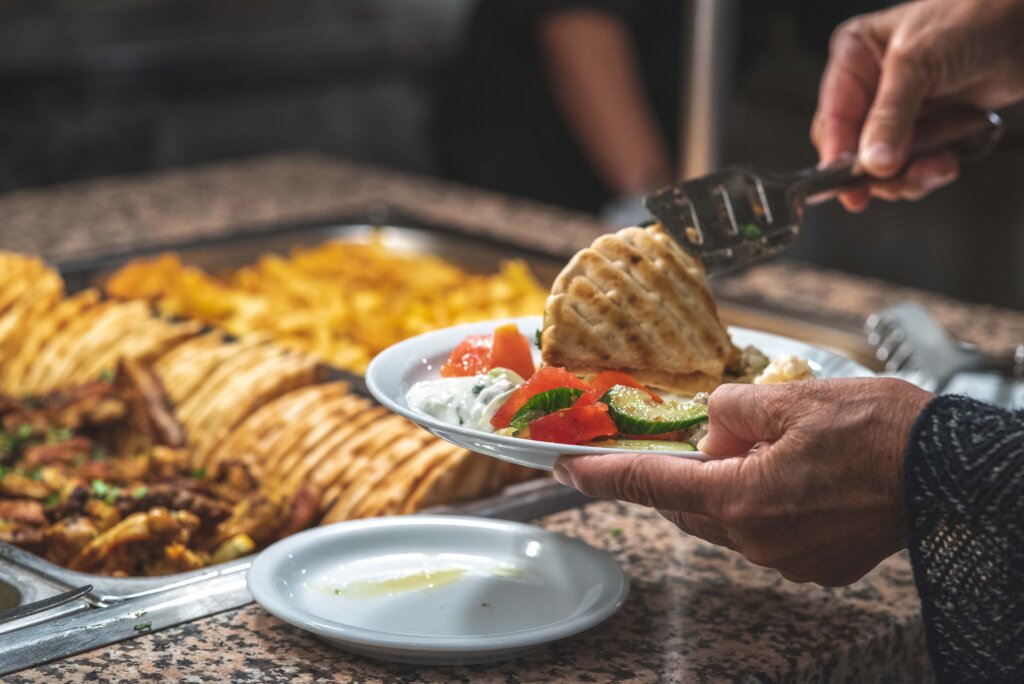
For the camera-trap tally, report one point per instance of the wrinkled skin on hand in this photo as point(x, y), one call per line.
point(820, 499)
point(887, 68)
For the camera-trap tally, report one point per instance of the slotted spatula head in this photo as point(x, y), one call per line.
point(730, 217)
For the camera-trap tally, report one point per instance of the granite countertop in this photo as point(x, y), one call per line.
point(696, 612)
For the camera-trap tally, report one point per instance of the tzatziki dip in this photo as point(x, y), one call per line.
point(468, 401)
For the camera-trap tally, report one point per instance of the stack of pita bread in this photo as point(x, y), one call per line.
point(636, 301)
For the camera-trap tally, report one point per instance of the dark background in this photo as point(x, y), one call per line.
point(114, 87)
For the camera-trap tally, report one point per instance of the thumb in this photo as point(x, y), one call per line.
point(888, 132)
point(740, 416)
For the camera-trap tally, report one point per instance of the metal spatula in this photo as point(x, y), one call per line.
point(735, 216)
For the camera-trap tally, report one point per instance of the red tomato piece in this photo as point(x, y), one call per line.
point(590, 396)
point(512, 350)
point(547, 378)
point(471, 357)
point(605, 380)
point(574, 425)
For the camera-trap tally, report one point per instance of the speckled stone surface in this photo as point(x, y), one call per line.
point(696, 612)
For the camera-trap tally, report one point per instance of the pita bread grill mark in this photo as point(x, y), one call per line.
point(310, 462)
point(635, 300)
point(302, 436)
point(719, 336)
point(38, 336)
point(108, 328)
point(686, 280)
point(41, 372)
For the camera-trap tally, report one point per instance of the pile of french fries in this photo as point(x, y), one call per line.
point(342, 302)
point(245, 401)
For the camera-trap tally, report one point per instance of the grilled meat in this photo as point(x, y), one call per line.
point(135, 542)
point(66, 538)
point(97, 478)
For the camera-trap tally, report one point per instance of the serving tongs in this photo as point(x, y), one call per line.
point(738, 215)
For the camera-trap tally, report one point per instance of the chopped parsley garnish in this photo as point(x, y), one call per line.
point(59, 435)
point(198, 473)
point(11, 442)
point(51, 501)
point(98, 455)
point(36, 474)
point(537, 339)
point(107, 375)
point(750, 231)
point(143, 627)
point(106, 492)
point(478, 388)
point(139, 492)
point(616, 531)
point(4, 470)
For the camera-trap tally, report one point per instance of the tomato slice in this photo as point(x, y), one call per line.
point(512, 350)
point(574, 425)
point(605, 380)
point(547, 378)
point(471, 357)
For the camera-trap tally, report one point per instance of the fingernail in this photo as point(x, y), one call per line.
point(700, 444)
point(879, 156)
point(563, 475)
point(841, 157)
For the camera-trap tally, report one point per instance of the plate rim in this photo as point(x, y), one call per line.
point(260, 578)
point(394, 353)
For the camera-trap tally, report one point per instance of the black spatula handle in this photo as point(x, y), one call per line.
point(968, 133)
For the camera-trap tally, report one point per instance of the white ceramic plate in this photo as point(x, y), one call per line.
point(399, 367)
point(437, 589)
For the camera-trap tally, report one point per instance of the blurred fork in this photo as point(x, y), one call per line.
point(914, 346)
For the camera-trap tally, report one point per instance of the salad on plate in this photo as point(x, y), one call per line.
point(490, 383)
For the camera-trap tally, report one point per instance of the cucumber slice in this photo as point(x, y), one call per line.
point(635, 413)
point(542, 404)
point(645, 445)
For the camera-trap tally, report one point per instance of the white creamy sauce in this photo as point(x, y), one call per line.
point(785, 369)
point(470, 402)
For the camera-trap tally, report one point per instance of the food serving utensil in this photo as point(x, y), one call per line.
point(915, 346)
point(738, 215)
point(43, 605)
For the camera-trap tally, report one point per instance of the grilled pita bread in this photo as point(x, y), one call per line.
point(635, 301)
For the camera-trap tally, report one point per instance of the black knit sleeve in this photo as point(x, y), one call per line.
point(964, 480)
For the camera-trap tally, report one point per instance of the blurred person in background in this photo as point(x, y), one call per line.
point(847, 472)
point(577, 102)
point(568, 102)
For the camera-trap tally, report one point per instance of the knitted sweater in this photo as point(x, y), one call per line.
point(964, 481)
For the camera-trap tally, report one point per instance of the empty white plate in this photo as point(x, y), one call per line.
point(400, 366)
point(437, 589)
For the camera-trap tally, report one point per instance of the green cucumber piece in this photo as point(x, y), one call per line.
point(635, 413)
point(542, 404)
point(645, 445)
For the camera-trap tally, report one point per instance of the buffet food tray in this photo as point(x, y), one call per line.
point(121, 608)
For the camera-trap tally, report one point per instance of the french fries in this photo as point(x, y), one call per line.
point(342, 302)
